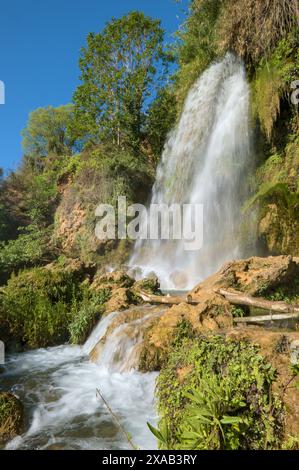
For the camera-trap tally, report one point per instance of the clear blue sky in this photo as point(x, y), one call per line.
point(40, 42)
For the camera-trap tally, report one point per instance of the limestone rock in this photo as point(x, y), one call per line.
point(255, 276)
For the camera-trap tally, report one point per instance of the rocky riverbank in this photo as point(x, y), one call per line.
point(200, 342)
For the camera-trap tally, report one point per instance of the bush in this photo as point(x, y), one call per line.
point(87, 316)
point(35, 307)
point(216, 394)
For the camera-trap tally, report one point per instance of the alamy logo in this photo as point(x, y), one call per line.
point(158, 222)
point(2, 92)
point(295, 94)
point(2, 352)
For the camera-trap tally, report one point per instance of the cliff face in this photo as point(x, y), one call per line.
point(98, 178)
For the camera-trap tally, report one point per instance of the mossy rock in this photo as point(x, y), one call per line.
point(150, 285)
point(11, 417)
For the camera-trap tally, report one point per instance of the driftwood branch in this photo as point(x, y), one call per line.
point(238, 298)
point(166, 299)
point(117, 421)
point(263, 318)
point(283, 310)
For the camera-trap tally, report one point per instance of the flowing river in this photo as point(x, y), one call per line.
point(58, 388)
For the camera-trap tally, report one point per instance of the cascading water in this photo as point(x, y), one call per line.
point(205, 161)
point(58, 388)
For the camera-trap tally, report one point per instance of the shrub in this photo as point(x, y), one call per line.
point(87, 316)
point(35, 307)
point(216, 394)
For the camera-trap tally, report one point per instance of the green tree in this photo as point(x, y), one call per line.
point(46, 132)
point(122, 68)
point(160, 120)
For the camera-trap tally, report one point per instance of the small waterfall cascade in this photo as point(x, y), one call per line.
point(206, 160)
point(119, 350)
point(58, 388)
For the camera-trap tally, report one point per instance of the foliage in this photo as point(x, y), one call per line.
point(197, 44)
point(30, 199)
point(46, 133)
point(231, 405)
point(87, 315)
point(121, 69)
point(237, 312)
point(252, 28)
point(272, 81)
point(29, 249)
point(161, 119)
point(35, 307)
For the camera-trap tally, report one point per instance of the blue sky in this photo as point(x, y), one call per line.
point(40, 43)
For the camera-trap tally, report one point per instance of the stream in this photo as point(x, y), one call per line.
point(58, 388)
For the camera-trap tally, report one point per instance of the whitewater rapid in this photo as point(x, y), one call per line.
point(58, 388)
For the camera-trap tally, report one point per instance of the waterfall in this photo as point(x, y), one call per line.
point(206, 160)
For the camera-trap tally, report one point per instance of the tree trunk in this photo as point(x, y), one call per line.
point(166, 299)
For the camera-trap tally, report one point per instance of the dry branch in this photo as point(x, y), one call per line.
point(166, 299)
point(238, 298)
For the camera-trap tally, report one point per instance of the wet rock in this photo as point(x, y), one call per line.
point(126, 332)
point(212, 313)
point(120, 299)
point(11, 417)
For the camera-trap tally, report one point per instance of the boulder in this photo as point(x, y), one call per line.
point(11, 417)
point(254, 276)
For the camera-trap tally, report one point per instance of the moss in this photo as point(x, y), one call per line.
point(220, 380)
point(11, 417)
point(150, 285)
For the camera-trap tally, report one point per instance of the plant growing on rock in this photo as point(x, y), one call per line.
point(217, 394)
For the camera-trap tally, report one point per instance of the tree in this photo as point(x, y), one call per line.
point(122, 69)
point(160, 120)
point(46, 132)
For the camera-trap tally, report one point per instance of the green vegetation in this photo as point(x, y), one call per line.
point(216, 393)
point(47, 133)
point(213, 393)
point(197, 44)
point(87, 315)
point(43, 307)
point(121, 68)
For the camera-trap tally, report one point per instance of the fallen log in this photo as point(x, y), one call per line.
point(166, 299)
point(238, 298)
point(264, 318)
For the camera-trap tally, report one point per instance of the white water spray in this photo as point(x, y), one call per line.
point(58, 388)
point(205, 161)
